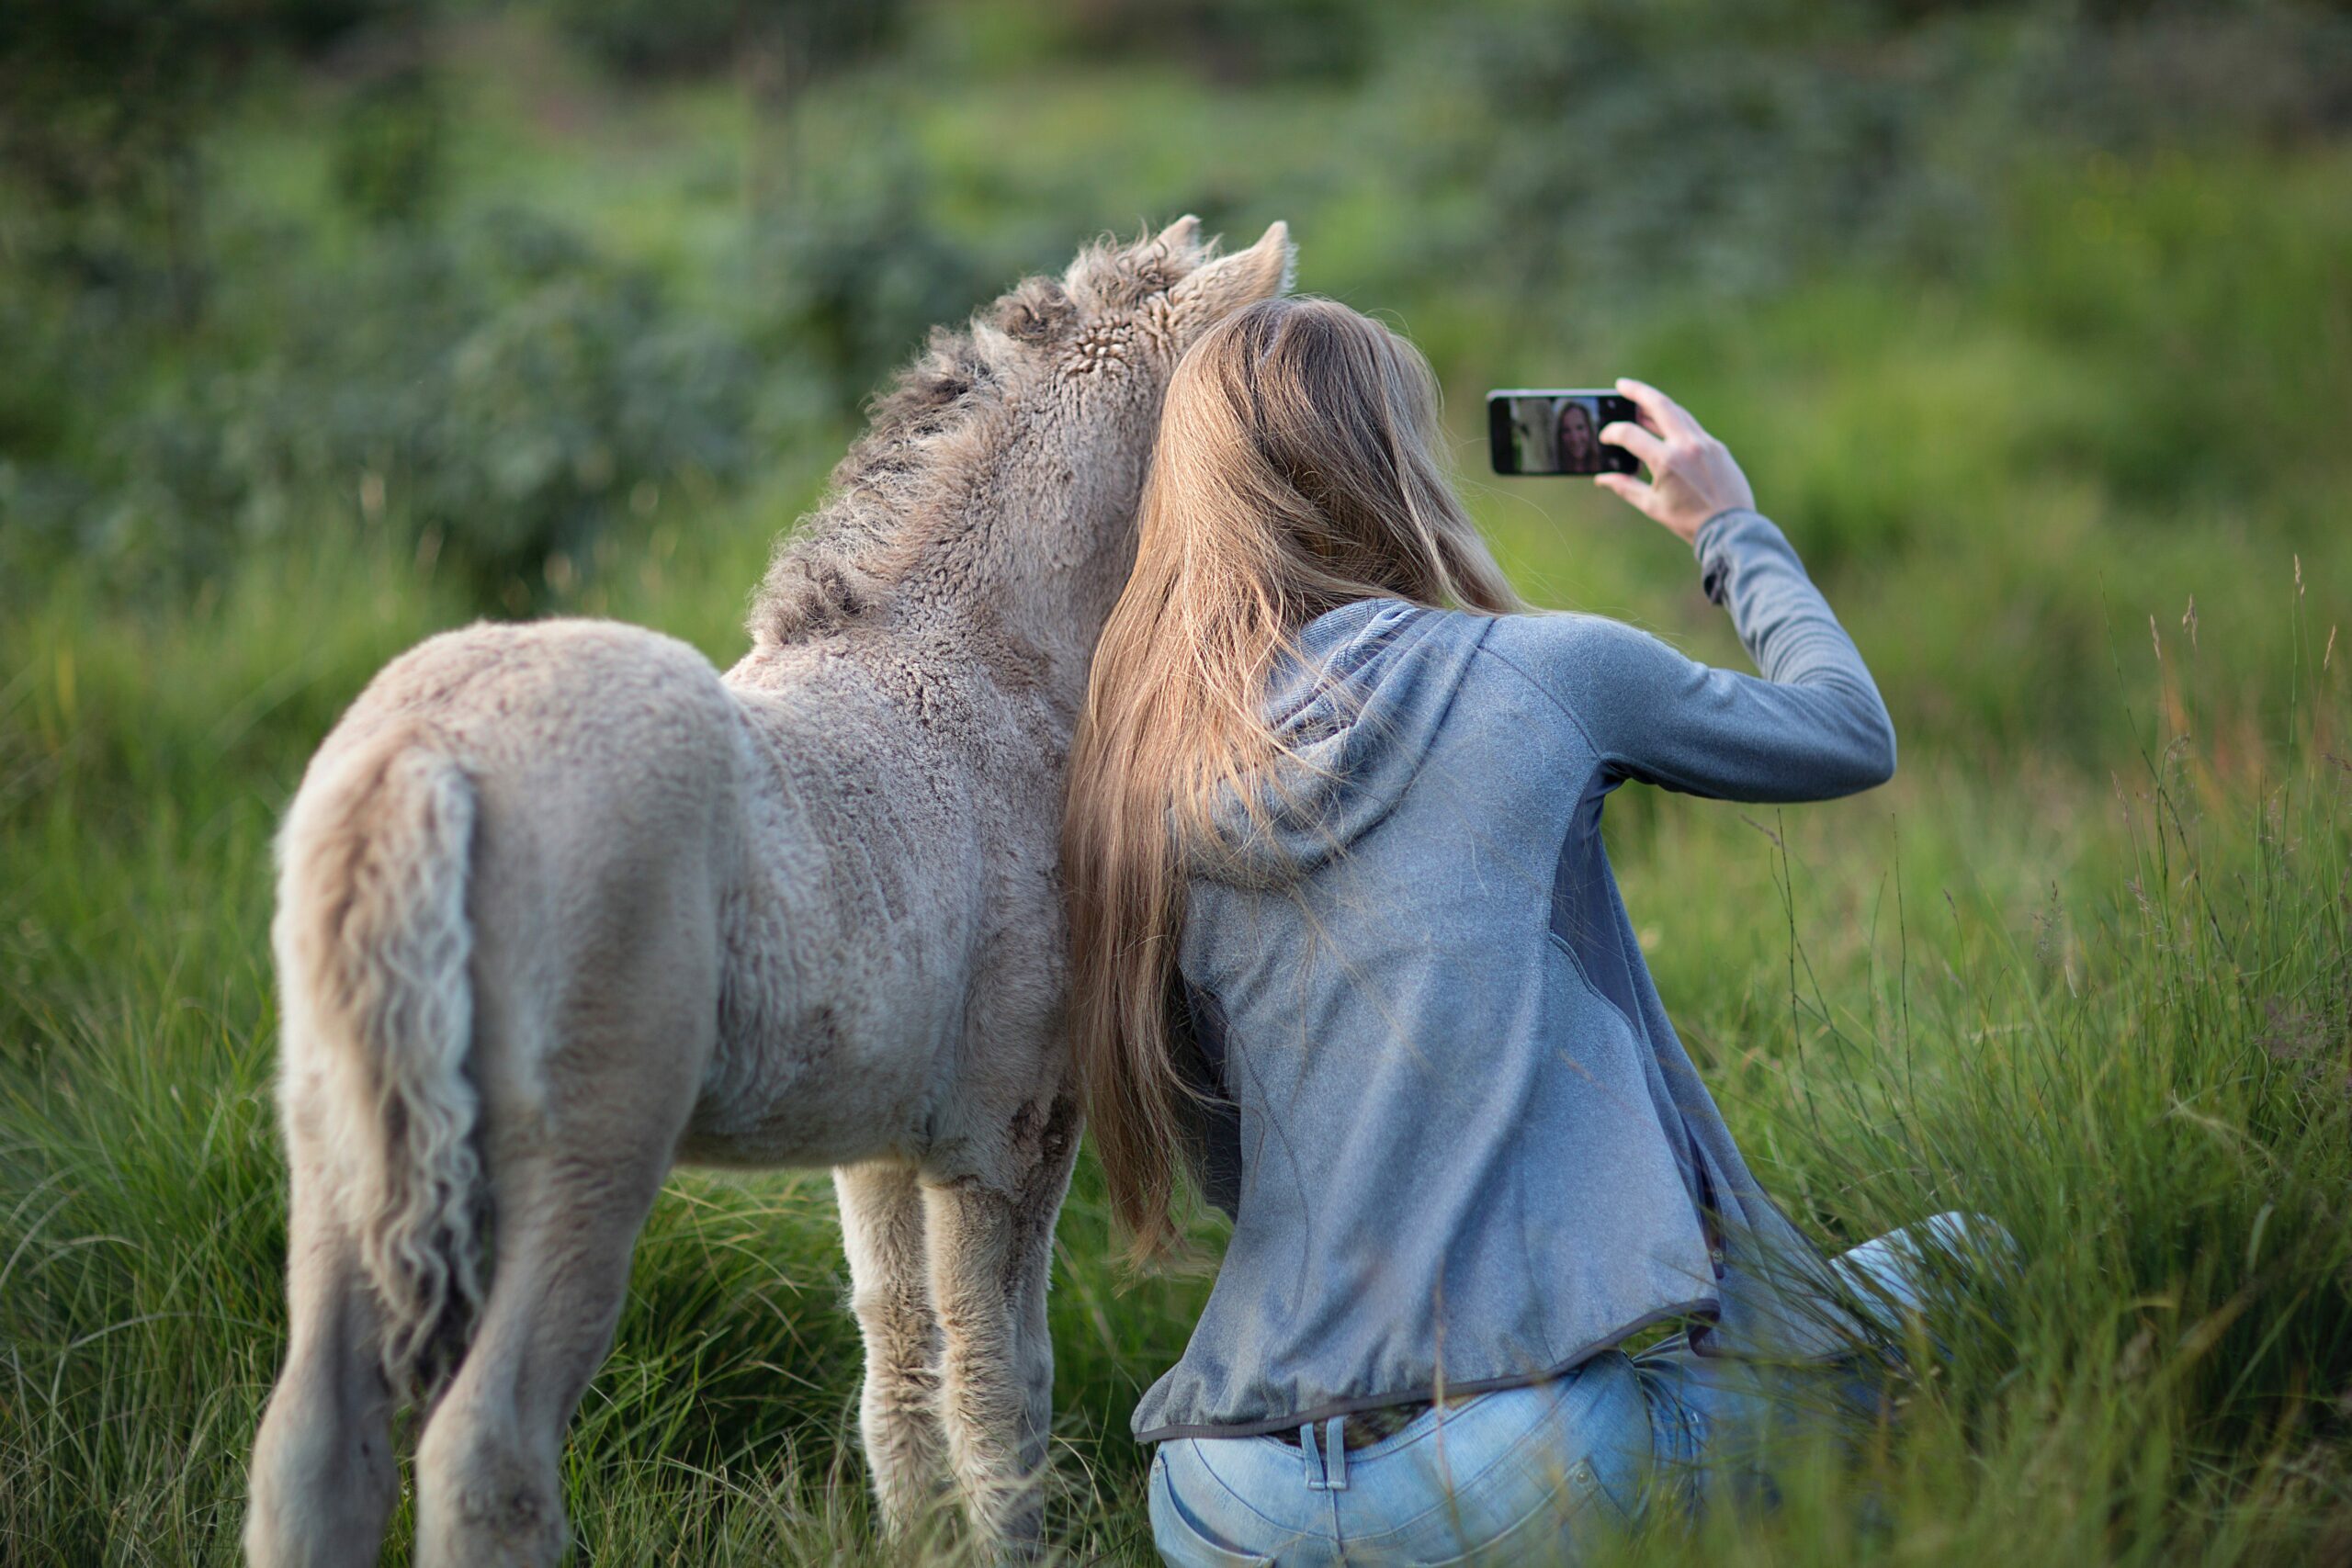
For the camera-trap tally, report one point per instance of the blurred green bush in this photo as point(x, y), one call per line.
point(426, 270)
point(497, 388)
point(683, 37)
point(391, 145)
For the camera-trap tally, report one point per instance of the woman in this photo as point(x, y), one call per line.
point(1578, 445)
point(1347, 944)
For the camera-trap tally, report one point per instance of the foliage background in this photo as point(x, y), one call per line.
point(328, 323)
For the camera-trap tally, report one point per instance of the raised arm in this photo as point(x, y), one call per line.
point(1811, 727)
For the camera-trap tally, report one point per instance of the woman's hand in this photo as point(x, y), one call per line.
point(1692, 475)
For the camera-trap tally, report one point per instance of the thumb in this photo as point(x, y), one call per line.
point(1634, 492)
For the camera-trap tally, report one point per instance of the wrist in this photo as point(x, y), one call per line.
point(1710, 544)
point(1717, 524)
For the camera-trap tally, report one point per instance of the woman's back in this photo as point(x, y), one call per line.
point(1470, 1151)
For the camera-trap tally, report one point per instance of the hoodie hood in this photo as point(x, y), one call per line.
point(1359, 705)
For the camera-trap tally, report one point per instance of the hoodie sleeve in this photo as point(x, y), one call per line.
point(1811, 727)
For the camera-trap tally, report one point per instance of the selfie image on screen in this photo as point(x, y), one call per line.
point(1558, 435)
point(1576, 436)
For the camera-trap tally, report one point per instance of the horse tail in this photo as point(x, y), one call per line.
point(373, 947)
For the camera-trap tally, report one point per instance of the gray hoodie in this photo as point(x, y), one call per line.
point(1461, 1144)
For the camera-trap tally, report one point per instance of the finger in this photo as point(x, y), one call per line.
point(1639, 442)
point(1629, 489)
point(1670, 417)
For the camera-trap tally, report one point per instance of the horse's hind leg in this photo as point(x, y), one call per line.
point(322, 1479)
point(991, 1259)
point(882, 1231)
point(489, 1492)
point(591, 1040)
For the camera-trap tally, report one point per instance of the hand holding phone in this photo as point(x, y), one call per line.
point(1611, 435)
point(1555, 429)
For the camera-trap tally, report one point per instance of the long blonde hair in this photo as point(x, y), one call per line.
point(1297, 470)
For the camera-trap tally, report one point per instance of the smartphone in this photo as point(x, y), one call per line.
point(1557, 430)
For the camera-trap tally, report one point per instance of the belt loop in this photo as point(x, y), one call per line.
point(1335, 1453)
point(1315, 1479)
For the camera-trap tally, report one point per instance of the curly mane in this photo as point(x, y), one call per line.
point(932, 431)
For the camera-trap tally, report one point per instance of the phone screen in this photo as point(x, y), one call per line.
point(1557, 430)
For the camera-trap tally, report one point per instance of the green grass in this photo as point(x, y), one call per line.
point(2086, 966)
point(2113, 1014)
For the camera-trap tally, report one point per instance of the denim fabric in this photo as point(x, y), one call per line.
point(1461, 1145)
point(1532, 1474)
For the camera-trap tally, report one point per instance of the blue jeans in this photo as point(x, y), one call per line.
point(1526, 1474)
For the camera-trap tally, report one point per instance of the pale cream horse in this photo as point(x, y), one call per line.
point(560, 906)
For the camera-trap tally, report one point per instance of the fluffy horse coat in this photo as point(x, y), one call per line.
point(560, 906)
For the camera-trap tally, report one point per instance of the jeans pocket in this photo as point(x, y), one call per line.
point(1542, 1492)
point(1557, 1519)
point(1186, 1542)
point(1610, 1441)
point(1552, 1533)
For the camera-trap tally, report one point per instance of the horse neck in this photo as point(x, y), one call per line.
point(1035, 629)
point(1032, 564)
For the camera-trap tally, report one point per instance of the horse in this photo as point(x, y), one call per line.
point(559, 907)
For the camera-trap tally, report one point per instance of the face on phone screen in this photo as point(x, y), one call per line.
point(1556, 431)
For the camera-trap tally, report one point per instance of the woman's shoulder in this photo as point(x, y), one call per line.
point(1574, 638)
point(1584, 661)
point(1573, 656)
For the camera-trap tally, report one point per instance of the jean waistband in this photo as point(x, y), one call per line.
point(1366, 1427)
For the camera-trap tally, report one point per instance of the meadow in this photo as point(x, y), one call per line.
point(2086, 965)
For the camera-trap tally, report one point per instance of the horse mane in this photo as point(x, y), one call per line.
point(926, 435)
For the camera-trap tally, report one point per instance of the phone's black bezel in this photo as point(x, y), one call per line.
point(1612, 406)
point(1501, 451)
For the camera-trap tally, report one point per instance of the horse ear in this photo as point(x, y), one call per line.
point(1035, 311)
point(1218, 288)
point(1181, 237)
